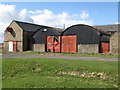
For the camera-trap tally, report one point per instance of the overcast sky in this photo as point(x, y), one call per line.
point(59, 13)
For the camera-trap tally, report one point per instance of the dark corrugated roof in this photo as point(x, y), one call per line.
point(104, 32)
point(105, 38)
point(40, 36)
point(85, 34)
point(33, 27)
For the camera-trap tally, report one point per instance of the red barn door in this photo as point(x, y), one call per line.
point(50, 40)
point(53, 44)
point(104, 47)
point(72, 44)
point(69, 44)
point(56, 44)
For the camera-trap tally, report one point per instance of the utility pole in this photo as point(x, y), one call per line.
point(63, 26)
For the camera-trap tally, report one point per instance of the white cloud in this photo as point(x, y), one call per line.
point(47, 17)
point(35, 12)
point(9, 13)
point(24, 16)
point(42, 17)
point(117, 23)
point(84, 14)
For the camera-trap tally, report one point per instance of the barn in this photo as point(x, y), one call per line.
point(22, 36)
point(40, 38)
point(88, 39)
point(80, 38)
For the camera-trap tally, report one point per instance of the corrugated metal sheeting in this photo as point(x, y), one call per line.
point(85, 34)
point(74, 35)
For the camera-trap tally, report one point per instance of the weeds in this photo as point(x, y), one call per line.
point(59, 73)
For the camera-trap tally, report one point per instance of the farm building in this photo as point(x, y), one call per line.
point(114, 38)
point(22, 36)
point(88, 39)
point(109, 28)
point(114, 43)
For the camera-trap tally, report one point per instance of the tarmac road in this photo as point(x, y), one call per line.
point(11, 55)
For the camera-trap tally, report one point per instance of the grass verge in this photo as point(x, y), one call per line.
point(70, 54)
point(59, 73)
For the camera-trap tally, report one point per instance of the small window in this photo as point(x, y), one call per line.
point(9, 29)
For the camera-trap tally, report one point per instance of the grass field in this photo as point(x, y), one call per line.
point(59, 73)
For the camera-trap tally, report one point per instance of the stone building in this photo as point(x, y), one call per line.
point(114, 43)
point(21, 36)
point(109, 28)
point(114, 38)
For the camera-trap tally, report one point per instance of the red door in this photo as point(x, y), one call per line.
point(50, 40)
point(56, 44)
point(12, 45)
point(15, 46)
point(104, 47)
point(65, 44)
point(53, 44)
point(69, 44)
point(72, 44)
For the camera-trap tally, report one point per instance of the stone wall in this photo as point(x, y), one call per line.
point(88, 48)
point(18, 36)
point(39, 47)
point(114, 43)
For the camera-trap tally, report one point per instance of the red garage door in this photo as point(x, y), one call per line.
point(53, 44)
point(104, 47)
point(69, 44)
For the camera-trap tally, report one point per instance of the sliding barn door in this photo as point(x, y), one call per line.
point(69, 44)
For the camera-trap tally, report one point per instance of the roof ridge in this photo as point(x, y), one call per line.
point(36, 24)
point(30, 23)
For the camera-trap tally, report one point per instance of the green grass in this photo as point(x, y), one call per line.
point(70, 54)
point(59, 73)
point(0, 50)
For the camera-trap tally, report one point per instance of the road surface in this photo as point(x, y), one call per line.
point(11, 55)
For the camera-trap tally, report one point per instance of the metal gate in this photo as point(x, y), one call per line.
point(53, 44)
point(104, 47)
point(69, 44)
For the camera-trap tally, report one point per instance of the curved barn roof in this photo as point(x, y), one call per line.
point(77, 25)
point(85, 34)
point(40, 36)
